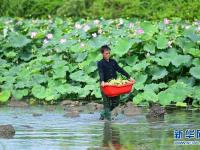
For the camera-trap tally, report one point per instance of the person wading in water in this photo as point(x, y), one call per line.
point(108, 68)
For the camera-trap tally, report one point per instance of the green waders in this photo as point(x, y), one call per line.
point(109, 104)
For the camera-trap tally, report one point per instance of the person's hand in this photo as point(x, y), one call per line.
point(102, 83)
point(131, 79)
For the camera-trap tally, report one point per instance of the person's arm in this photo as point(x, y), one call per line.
point(121, 70)
point(101, 74)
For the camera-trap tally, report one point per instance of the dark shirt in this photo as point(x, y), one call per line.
point(108, 70)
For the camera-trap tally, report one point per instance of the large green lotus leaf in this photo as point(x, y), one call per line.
point(75, 48)
point(97, 42)
point(62, 88)
point(6, 86)
point(19, 94)
point(196, 62)
point(131, 60)
point(192, 34)
point(138, 98)
point(193, 51)
point(72, 67)
point(81, 56)
point(184, 43)
point(162, 61)
point(60, 72)
point(165, 97)
point(13, 71)
point(26, 55)
point(140, 79)
point(158, 73)
point(73, 89)
point(180, 90)
point(149, 47)
point(155, 87)
point(17, 40)
point(86, 90)
point(118, 33)
point(4, 95)
point(150, 95)
point(83, 35)
point(20, 84)
point(179, 94)
point(149, 28)
point(139, 86)
point(170, 54)
point(164, 58)
point(141, 65)
point(39, 78)
point(82, 65)
point(9, 79)
point(94, 56)
point(55, 83)
point(79, 76)
point(187, 80)
point(96, 92)
point(90, 68)
point(122, 46)
point(195, 72)
point(39, 91)
point(128, 69)
point(23, 77)
point(11, 54)
point(51, 94)
point(196, 93)
point(162, 42)
point(2, 79)
point(181, 59)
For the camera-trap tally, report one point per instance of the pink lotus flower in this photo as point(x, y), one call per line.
point(131, 25)
point(45, 41)
point(94, 35)
point(62, 41)
point(33, 34)
point(78, 26)
point(166, 21)
point(49, 36)
point(86, 28)
point(140, 31)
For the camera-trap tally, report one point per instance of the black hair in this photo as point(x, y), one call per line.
point(105, 48)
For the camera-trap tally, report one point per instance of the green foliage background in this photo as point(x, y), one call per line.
point(164, 58)
point(145, 9)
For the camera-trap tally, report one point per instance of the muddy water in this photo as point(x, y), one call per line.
point(53, 131)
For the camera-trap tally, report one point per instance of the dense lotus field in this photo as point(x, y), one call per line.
point(55, 59)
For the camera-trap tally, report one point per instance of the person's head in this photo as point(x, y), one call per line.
point(105, 51)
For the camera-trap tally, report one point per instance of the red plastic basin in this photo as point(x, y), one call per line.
point(116, 90)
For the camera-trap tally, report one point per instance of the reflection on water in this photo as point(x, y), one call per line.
point(111, 136)
point(53, 131)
